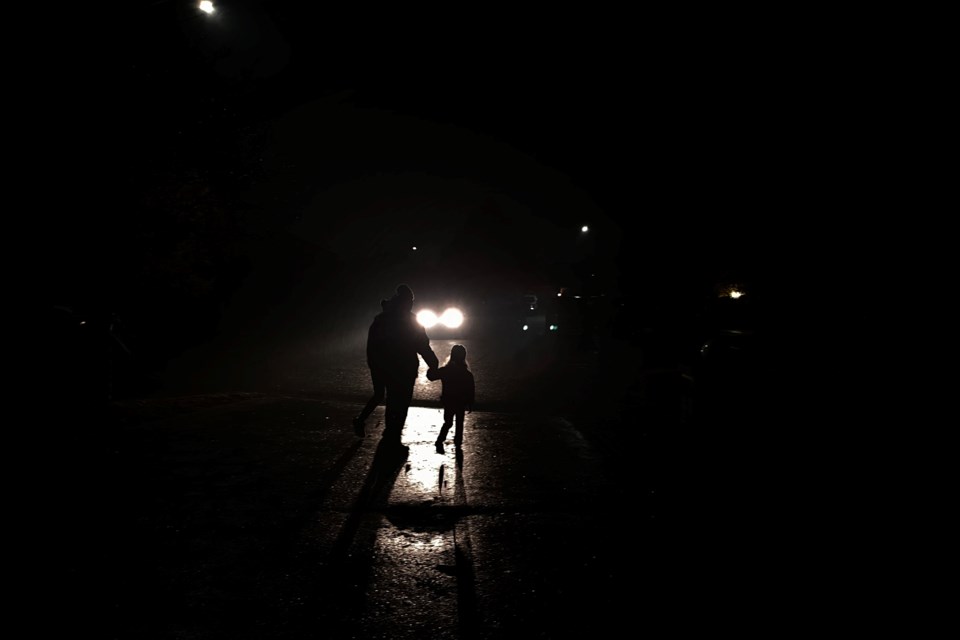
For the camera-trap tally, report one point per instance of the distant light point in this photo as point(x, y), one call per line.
point(584, 229)
point(732, 291)
point(206, 6)
point(414, 248)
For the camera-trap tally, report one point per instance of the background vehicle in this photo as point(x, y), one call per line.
point(730, 365)
point(443, 320)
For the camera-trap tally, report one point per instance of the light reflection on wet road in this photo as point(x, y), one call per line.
point(416, 577)
point(424, 476)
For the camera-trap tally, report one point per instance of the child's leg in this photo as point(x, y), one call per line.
point(458, 433)
point(447, 422)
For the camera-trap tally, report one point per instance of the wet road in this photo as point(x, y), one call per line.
point(261, 515)
point(506, 537)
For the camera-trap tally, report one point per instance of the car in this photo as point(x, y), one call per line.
point(732, 366)
point(443, 321)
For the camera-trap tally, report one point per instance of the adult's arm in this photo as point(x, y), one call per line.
point(425, 351)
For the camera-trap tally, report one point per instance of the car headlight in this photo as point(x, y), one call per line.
point(451, 318)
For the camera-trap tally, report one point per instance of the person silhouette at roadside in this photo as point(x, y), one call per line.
point(457, 395)
point(395, 344)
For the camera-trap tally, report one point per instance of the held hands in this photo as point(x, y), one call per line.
point(432, 374)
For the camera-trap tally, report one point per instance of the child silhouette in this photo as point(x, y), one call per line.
point(457, 395)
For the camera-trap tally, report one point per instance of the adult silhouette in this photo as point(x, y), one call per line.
point(395, 344)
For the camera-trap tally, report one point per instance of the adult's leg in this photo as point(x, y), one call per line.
point(377, 397)
point(399, 397)
point(373, 402)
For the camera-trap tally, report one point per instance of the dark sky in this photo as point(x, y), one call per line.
point(197, 155)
